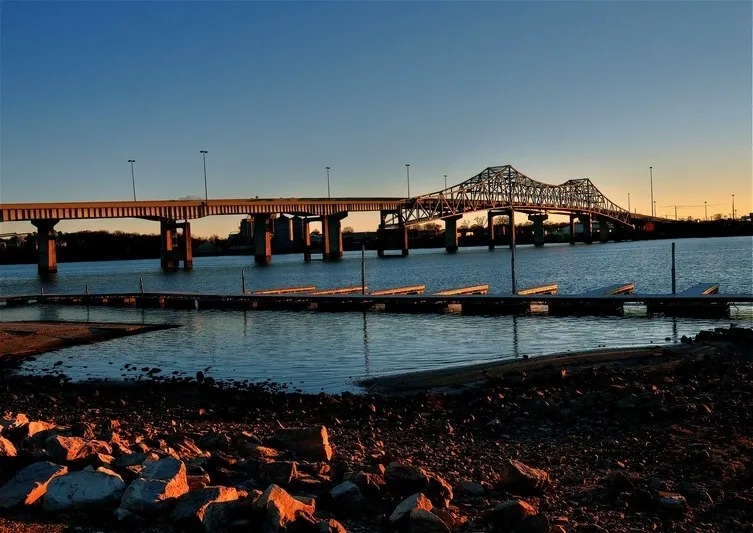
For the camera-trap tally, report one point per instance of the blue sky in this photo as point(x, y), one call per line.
point(277, 91)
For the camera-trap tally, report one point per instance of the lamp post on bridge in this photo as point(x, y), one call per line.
point(705, 212)
point(628, 202)
point(133, 179)
point(206, 193)
point(328, 194)
point(407, 173)
point(653, 204)
point(733, 207)
point(445, 181)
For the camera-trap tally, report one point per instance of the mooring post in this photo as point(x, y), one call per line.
point(86, 289)
point(674, 280)
point(512, 249)
point(41, 292)
point(243, 281)
point(141, 285)
point(363, 269)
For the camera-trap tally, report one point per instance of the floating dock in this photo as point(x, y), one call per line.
point(699, 301)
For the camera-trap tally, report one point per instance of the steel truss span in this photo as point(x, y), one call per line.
point(504, 187)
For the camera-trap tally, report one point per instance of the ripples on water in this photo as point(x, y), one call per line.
point(315, 352)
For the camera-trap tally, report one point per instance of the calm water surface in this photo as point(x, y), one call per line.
point(328, 352)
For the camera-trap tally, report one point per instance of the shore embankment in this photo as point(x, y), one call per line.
point(634, 440)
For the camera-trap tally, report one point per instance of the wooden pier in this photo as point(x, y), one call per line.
point(702, 300)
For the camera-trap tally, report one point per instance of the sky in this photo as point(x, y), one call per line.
point(277, 91)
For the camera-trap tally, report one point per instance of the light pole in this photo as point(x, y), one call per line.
point(407, 173)
point(445, 181)
point(628, 202)
point(327, 169)
point(705, 212)
point(733, 207)
point(133, 180)
point(653, 206)
point(206, 193)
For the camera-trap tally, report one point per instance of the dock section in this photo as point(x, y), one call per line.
point(510, 305)
point(284, 290)
point(411, 289)
point(689, 303)
point(473, 289)
point(599, 301)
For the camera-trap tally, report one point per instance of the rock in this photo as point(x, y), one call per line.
point(510, 514)
point(279, 473)
point(280, 508)
point(7, 425)
point(331, 526)
point(193, 507)
point(472, 488)
point(538, 523)
point(84, 488)
point(411, 503)
point(311, 443)
point(346, 496)
point(405, 479)
point(133, 459)
point(672, 503)
point(439, 491)
point(67, 449)
point(423, 521)
point(517, 476)
point(7, 449)
point(694, 493)
point(160, 483)
point(29, 484)
point(370, 484)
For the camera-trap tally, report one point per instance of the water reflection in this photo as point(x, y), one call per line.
point(367, 371)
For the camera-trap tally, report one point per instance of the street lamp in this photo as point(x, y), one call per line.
point(445, 181)
point(133, 180)
point(407, 172)
point(705, 211)
point(328, 195)
point(733, 207)
point(206, 193)
point(628, 202)
point(653, 204)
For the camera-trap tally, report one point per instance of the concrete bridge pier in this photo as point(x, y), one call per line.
point(332, 237)
point(588, 237)
point(306, 240)
point(490, 228)
point(262, 239)
point(538, 228)
point(603, 231)
point(451, 233)
point(393, 238)
point(511, 225)
point(572, 230)
point(174, 246)
point(46, 253)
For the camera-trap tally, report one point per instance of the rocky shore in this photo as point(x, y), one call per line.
point(660, 442)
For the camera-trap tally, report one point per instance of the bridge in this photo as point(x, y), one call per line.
point(498, 190)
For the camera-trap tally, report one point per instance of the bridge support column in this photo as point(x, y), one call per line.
point(168, 257)
point(306, 240)
point(588, 237)
point(538, 228)
point(262, 239)
point(392, 238)
point(572, 230)
point(490, 228)
point(451, 233)
point(46, 253)
point(332, 237)
point(603, 231)
point(185, 246)
point(511, 225)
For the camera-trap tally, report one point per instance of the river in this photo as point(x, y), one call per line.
point(329, 352)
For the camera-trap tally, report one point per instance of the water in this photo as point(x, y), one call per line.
point(329, 352)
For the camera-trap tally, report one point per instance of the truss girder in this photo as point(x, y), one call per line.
point(503, 187)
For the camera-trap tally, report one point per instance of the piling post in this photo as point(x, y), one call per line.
point(363, 269)
point(674, 271)
point(512, 249)
point(86, 289)
point(141, 285)
point(243, 281)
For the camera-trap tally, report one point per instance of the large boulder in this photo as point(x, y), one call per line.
point(10, 424)
point(279, 472)
point(310, 443)
point(29, 484)
point(509, 514)
point(346, 497)
point(281, 510)
point(159, 485)
point(84, 488)
point(7, 449)
point(423, 521)
point(64, 449)
point(407, 506)
point(403, 479)
point(200, 507)
point(516, 476)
